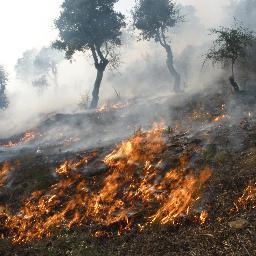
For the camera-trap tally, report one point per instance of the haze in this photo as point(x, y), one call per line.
point(30, 23)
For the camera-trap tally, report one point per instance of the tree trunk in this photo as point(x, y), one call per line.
point(234, 84)
point(172, 70)
point(96, 89)
point(233, 81)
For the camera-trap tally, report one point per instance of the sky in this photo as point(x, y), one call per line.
point(29, 24)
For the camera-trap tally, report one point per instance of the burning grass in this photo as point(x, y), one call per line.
point(136, 183)
point(248, 199)
point(24, 139)
point(107, 107)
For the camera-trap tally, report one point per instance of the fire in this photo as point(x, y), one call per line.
point(248, 198)
point(219, 118)
point(27, 136)
point(102, 108)
point(106, 107)
point(203, 217)
point(4, 172)
point(135, 183)
point(68, 166)
point(182, 197)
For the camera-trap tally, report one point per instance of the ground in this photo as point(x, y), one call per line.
point(211, 131)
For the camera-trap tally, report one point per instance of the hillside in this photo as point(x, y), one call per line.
point(178, 181)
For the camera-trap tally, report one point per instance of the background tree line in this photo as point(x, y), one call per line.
point(96, 27)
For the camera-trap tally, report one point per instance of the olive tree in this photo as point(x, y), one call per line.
point(93, 26)
point(229, 47)
point(154, 19)
point(3, 83)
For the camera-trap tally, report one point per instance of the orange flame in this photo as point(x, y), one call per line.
point(106, 107)
point(219, 118)
point(203, 217)
point(248, 198)
point(135, 183)
point(27, 136)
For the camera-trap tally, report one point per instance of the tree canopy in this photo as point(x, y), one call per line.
point(230, 44)
point(153, 18)
point(92, 25)
point(89, 25)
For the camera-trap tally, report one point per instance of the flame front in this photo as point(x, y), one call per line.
point(135, 183)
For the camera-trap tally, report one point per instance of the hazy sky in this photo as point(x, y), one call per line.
point(28, 24)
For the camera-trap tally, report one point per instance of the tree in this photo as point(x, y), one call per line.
point(94, 26)
point(3, 83)
point(46, 62)
point(153, 19)
point(229, 47)
point(38, 67)
point(25, 69)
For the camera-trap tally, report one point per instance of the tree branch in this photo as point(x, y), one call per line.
point(95, 57)
point(160, 39)
point(100, 54)
point(163, 36)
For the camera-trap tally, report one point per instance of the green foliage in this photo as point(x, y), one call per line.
point(3, 83)
point(230, 44)
point(90, 25)
point(154, 18)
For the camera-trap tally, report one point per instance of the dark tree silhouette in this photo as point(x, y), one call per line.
point(153, 19)
point(229, 47)
point(3, 83)
point(94, 26)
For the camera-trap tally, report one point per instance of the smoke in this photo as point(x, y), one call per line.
point(244, 11)
point(142, 74)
